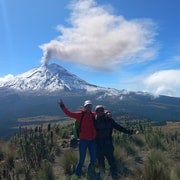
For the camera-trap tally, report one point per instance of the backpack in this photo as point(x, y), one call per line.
point(77, 127)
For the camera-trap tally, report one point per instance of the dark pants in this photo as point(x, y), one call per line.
point(105, 149)
point(83, 146)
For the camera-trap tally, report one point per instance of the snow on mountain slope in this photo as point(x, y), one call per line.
point(40, 87)
point(52, 78)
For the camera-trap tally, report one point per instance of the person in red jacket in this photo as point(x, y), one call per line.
point(87, 134)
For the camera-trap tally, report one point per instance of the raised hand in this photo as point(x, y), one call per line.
point(135, 132)
point(61, 103)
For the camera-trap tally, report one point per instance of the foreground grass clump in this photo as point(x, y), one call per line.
point(46, 171)
point(69, 161)
point(157, 166)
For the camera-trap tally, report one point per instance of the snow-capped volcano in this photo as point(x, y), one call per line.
point(51, 78)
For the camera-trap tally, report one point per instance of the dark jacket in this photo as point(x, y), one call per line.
point(104, 126)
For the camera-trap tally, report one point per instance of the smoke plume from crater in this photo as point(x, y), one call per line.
point(100, 39)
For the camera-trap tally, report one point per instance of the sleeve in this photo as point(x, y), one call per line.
point(76, 115)
point(120, 128)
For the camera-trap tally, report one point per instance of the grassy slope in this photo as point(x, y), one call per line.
point(137, 157)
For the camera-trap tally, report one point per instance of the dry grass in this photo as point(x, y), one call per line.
point(38, 118)
point(44, 121)
point(171, 127)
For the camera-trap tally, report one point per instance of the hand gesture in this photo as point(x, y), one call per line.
point(61, 103)
point(135, 132)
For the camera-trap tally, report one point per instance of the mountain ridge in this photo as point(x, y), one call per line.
point(36, 92)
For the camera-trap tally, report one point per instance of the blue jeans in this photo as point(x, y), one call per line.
point(83, 146)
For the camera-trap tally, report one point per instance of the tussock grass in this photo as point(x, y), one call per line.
point(139, 141)
point(157, 166)
point(68, 161)
point(175, 173)
point(123, 160)
point(46, 171)
point(155, 140)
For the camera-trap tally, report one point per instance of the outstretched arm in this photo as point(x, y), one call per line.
point(124, 130)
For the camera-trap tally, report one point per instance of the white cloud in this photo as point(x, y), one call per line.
point(6, 78)
point(165, 82)
point(100, 39)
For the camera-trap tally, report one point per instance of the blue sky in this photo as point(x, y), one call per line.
point(123, 44)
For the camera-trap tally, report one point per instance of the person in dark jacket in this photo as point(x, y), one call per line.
point(87, 134)
point(104, 125)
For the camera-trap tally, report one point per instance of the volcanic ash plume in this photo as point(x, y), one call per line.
point(52, 50)
point(100, 39)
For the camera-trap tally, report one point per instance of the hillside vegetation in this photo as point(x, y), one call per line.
point(44, 152)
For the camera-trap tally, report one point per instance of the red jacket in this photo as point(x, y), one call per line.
point(88, 131)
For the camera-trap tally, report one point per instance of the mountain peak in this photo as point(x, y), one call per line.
point(52, 67)
point(48, 77)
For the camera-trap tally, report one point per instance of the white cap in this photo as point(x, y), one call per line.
point(99, 107)
point(87, 102)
